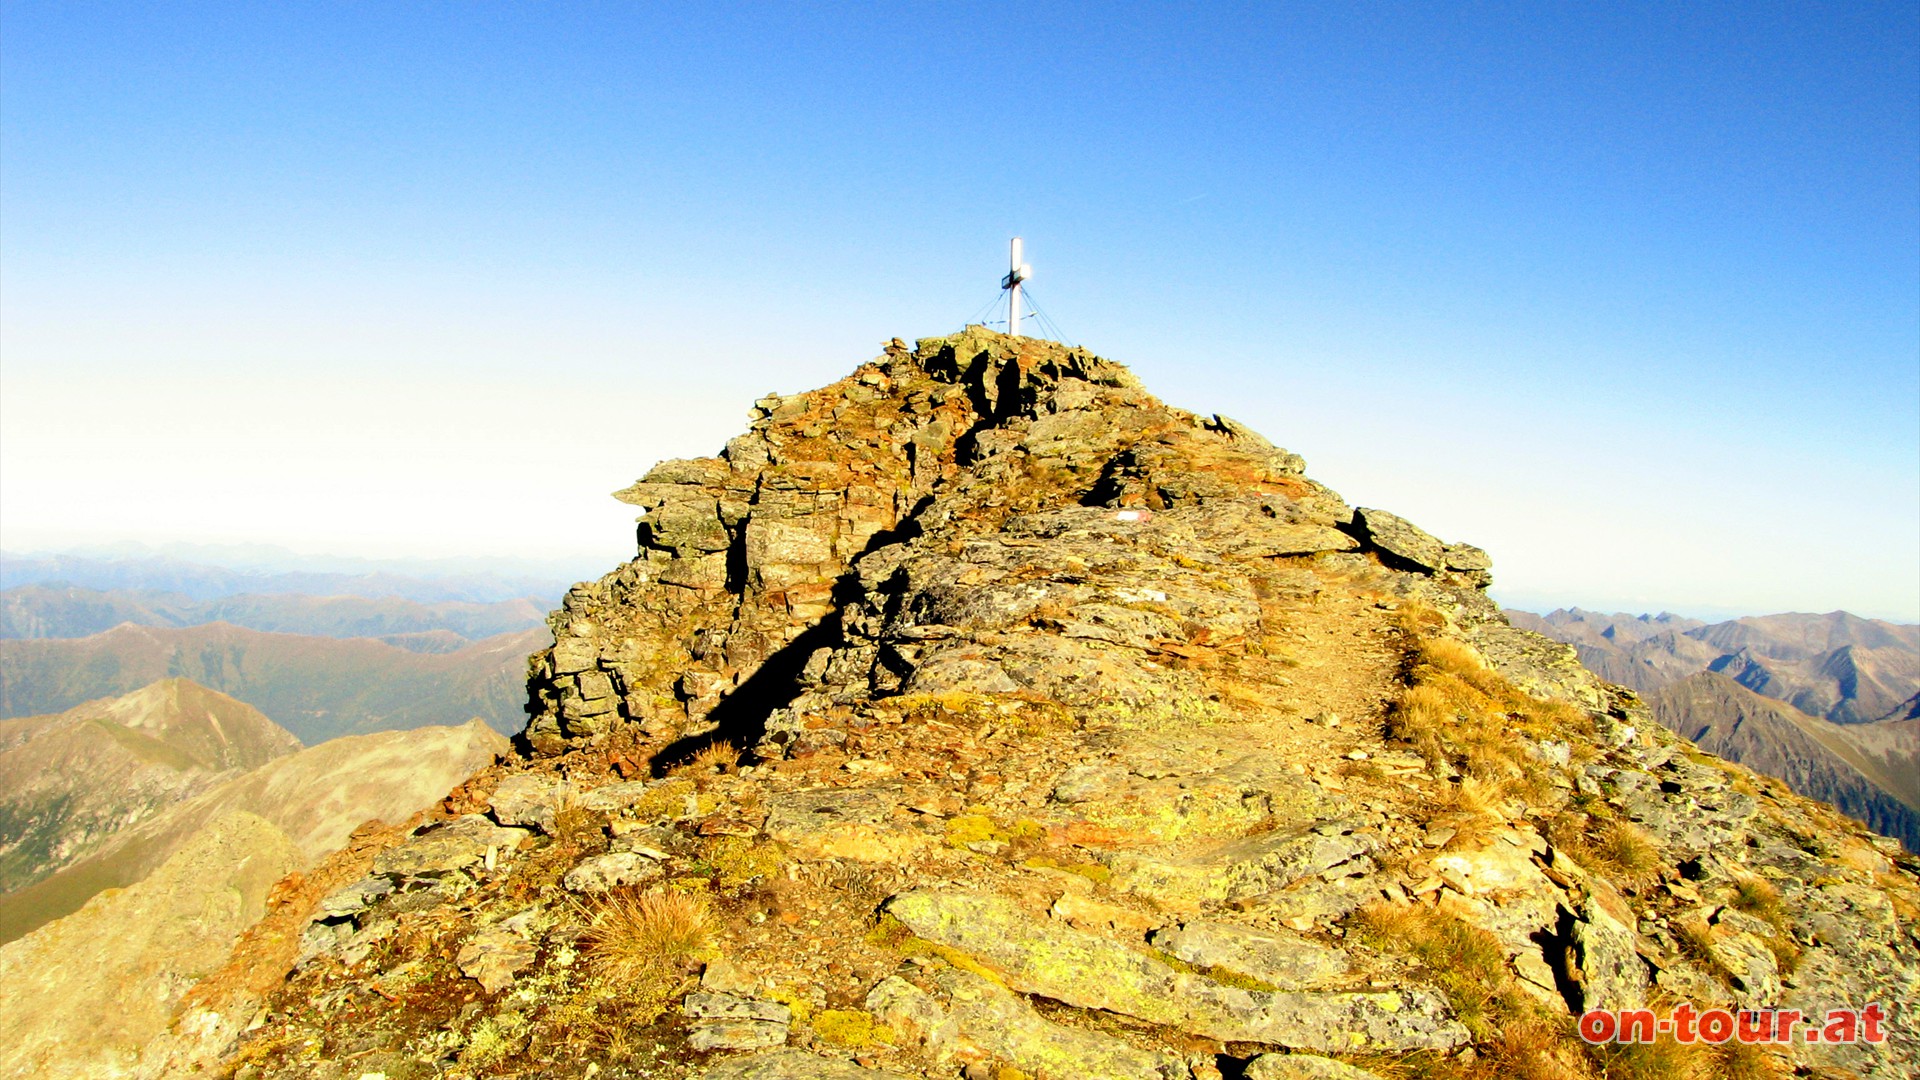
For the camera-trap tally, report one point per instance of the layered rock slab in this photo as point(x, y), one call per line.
point(1090, 971)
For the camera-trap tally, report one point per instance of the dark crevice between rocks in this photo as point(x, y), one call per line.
point(1232, 1068)
point(740, 718)
point(1357, 529)
point(993, 410)
point(737, 559)
point(1556, 944)
point(1120, 471)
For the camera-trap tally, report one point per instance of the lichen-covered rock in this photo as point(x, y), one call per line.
point(492, 957)
point(618, 869)
point(354, 898)
point(907, 1010)
point(991, 1021)
point(1401, 539)
point(794, 1065)
point(1284, 961)
point(1236, 869)
point(526, 799)
point(1093, 972)
point(724, 1021)
point(441, 849)
point(1614, 977)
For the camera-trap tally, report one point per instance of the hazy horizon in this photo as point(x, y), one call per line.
point(273, 558)
point(1629, 297)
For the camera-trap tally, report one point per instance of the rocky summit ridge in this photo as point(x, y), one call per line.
point(981, 715)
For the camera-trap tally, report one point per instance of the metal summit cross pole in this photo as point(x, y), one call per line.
point(1017, 273)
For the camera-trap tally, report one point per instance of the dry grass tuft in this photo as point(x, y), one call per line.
point(1662, 1060)
point(1420, 709)
point(1449, 656)
point(1627, 852)
point(713, 759)
point(1533, 1048)
point(1696, 943)
point(1459, 714)
point(1472, 796)
point(1419, 716)
point(1743, 1061)
point(1416, 618)
point(641, 948)
point(637, 938)
point(1757, 897)
point(1468, 963)
point(1619, 850)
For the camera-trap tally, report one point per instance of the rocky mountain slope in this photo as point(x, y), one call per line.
point(315, 797)
point(981, 715)
point(1836, 666)
point(1849, 670)
point(70, 781)
point(316, 687)
point(1868, 771)
point(67, 611)
point(98, 957)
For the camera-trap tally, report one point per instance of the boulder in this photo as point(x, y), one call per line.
point(493, 957)
point(443, 849)
point(526, 799)
point(1089, 971)
point(905, 1008)
point(574, 655)
point(603, 873)
point(1284, 961)
point(354, 899)
point(1466, 558)
point(724, 1021)
point(1401, 539)
point(990, 1020)
point(1238, 868)
point(1615, 976)
point(841, 823)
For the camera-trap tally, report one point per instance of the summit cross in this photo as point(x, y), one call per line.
point(1017, 272)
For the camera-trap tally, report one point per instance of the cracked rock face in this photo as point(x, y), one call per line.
point(865, 537)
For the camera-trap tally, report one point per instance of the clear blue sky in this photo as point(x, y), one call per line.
point(1627, 294)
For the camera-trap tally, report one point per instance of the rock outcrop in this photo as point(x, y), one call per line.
point(981, 715)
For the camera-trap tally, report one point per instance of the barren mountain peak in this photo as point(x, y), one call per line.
point(981, 714)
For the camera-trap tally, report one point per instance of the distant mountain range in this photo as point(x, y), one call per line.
point(323, 646)
point(1837, 666)
point(234, 572)
point(71, 611)
point(1828, 703)
point(319, 688)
